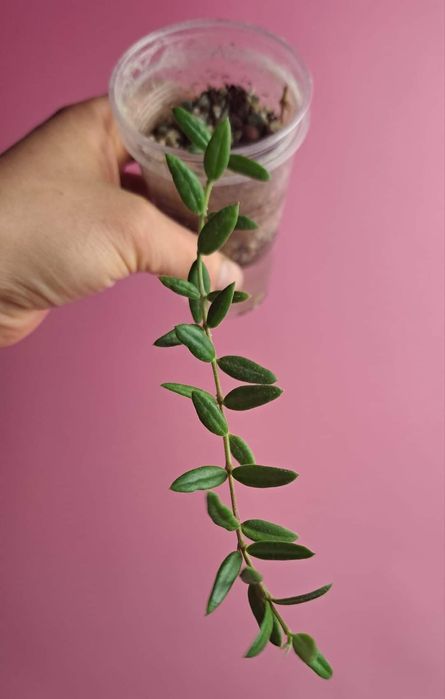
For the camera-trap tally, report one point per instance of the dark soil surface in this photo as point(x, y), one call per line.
point(249, 118)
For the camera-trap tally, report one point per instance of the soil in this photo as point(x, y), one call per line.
point(249, 118)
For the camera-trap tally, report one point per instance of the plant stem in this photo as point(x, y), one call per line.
point(242, 546)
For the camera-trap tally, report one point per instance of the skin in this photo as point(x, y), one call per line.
point(67, 227)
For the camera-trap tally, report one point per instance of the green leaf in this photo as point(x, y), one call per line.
point(306, 649)
point(240, 450)
point(245, 370)
point(250, 168)
point(251, 576)
point(195, 339)
point(238, 296)
point(264, 634)
point(245, 223)
point(220, 306)
point(217, 153)
point(299, 599)
point(278, 551)
point(256, 602)
point(209, 413)
point(321, 666)
point(220, 514)
point(261, 530)
point(304, 646)
point(186, 182)
point(170, 339)
point(193, 127)
point(193, 276)
point(263, 476)
point(246, 397)
point(200, 478)
point(183, 389)
point(225, 577)
point(218, 229)
point(180, 286)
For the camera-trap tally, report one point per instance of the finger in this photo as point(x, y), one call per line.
point(165, 247)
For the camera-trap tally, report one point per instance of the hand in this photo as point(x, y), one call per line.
point(68, 230)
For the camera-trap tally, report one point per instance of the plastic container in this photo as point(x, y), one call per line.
point(177, 63)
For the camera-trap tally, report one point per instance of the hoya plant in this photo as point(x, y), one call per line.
point(253, 539)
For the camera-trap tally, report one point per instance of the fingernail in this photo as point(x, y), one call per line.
point(229, 272)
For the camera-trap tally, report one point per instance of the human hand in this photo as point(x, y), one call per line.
point(67, 229)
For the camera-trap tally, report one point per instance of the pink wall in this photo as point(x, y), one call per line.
point(105, 572)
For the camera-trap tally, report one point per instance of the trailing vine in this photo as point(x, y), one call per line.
point(255, 538)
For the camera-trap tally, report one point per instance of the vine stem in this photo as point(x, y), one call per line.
point(242, 546)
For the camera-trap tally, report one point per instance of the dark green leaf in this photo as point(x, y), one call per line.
point(170, 339)
point(240, 450)
point(245, 370)
point(256, 601)
point(275, 636)
point(186, 182)
point(209, 413)
point(246, 397)
point(250, 168)
point(238, 296)
point(250, 576)
point(183, 389)
point(263, 476)
point(245, 223)
point(261, 530)
point(193, 127)
point(299, 599)
point(220, 514)
point(200, 478)
point(264, 634)
point(220, 306)
point(218, 229)
point(195, 339)
point(304, 646)
point(193, 276)
point(217, 152)
point(180, 286)
point(225, 577)
point(278, 551)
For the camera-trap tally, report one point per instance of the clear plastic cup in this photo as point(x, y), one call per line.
point(179, 62)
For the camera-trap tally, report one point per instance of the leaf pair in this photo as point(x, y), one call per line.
point(200, 136)
point(192, 336)
point(220, 306)
point(206, 407)
point(197, 270)
point(238, 296)
point(258, 606)
point(196, 340)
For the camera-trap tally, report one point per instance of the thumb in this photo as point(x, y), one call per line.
point(165, 247)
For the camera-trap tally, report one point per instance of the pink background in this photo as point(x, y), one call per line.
point(105, 573)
